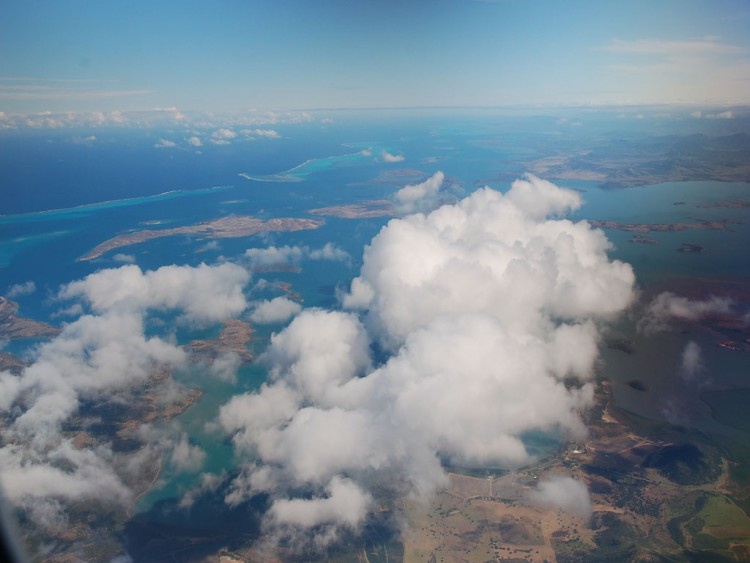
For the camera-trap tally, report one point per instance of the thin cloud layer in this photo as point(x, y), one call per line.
point(668, 307)
point(563, 492)
point(489, 310)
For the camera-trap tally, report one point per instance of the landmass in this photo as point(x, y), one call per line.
point(638, 385)
point(392, 177)
point(701, 224)
point(13, 326)
point(225, 227)
point(691, 248)
point(671, 493)
point(654, 489)
point(731, 325)
point(92, 530)
point(366, 209)
point(736, 345)
point(233, 339)
point(11, 363)
point(622, 344)
point(628, 163)
point(640, 239)
point(279, 267)
point(734, 204)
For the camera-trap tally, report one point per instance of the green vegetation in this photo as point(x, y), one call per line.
point(708, 523)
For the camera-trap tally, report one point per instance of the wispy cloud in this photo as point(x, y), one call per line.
point(668, 307)
point(704, 46)
point(38, 92)
point(165, 144)
point(198, 127)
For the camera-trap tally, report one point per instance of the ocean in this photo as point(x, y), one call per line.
point(61, 198)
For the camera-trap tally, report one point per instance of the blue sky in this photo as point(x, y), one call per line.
point(220, 55)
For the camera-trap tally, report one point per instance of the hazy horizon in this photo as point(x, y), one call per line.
point(238, 56)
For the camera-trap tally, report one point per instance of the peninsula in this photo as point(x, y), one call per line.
point(701, 224)
point(225, 227)
point(233, 338)
point(629, 163)
point(13, 326)
point(364, 210)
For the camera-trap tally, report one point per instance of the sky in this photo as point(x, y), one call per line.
point(84, 56)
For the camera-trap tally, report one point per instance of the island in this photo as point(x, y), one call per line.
point(638, 385)
point(11, 363)
point(701, 224)
point(225, 227)
point(392, 177)
point(640, 239)
point(733, 204)
point(13, 326)
point(622, 344)
point(366, 209)
point(233, 339)
point(654, 489)
point(691, 248)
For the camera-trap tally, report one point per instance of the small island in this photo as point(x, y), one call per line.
point(392, 177)
point(622, 344)
point(233, 338)
point(640, 239)
point(11, 363)
point(364, 210)
point(733, 204)
point(638, 385)
point(691, 248)
point(226, 227)
point(701, 224)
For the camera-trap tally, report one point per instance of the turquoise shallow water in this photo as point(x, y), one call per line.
point(296, 175)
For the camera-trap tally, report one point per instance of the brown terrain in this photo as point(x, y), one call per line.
point(226, 227)
point(233, 338)
point(13, 326)
point(366, 209)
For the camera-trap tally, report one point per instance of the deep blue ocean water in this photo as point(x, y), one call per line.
point(59, 199)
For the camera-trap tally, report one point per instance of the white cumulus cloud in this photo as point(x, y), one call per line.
point(419, 197)
point(489, 312)
point(277, 310)
point(388, 157)
point(204, 293)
